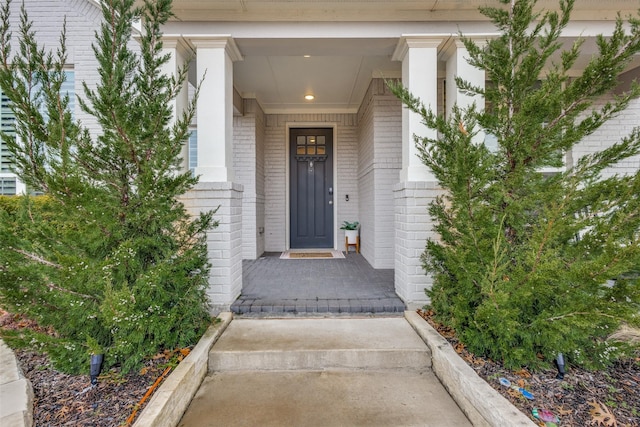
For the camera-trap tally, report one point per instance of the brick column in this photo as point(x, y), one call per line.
point(418, 186)
point(224, 243)
point(413, 227)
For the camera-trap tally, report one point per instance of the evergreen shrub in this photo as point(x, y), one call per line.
point(534, 254)
point(109, 258)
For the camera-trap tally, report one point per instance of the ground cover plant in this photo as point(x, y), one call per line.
point(530, 264)
point(107, 260)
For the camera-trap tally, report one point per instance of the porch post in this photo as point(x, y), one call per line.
point(418, 186)
point(179, 52)
point(455, 54)
point(217, 190)
point(215, 57)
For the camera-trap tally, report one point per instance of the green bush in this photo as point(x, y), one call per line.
point(523, 259)
point(109, 258)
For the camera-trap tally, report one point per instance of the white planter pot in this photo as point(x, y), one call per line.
point(352, 236)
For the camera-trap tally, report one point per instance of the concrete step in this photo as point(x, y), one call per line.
point(317, 344)
point(328, 398)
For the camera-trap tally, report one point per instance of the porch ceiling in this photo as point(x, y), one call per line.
point(337, 72)
point(347, 41)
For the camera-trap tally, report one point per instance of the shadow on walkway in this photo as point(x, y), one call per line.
point(273, 286)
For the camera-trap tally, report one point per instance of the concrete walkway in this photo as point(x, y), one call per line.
point(321, 372)
point(16, 393)
point(324, 372)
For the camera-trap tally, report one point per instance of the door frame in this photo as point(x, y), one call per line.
point(312, 125)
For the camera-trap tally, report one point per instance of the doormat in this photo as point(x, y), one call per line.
point(311, 255)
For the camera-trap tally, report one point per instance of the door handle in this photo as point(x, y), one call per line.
point(331, 201)
point(331, 190)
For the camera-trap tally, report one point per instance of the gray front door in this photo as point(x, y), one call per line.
point(311, 188)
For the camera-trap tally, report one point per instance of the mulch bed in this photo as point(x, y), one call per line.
point(609, 398)
point(69, 400)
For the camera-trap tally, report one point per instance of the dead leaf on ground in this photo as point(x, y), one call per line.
point(514, 393)
point(562, 411)
point(601, 415)
point(523, 373)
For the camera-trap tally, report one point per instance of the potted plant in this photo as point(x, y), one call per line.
point(351, 231)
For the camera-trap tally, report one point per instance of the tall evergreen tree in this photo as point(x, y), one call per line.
point(524, 260)
point(109, 257)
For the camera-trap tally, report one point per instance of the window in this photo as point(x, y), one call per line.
point(9, 184)
point(193, 150)
point(311, 147)
point(7, 125)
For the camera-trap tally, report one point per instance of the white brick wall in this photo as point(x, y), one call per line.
point(224, 243)
point(260, 179)
point(613, 132)
point(275, 174)
point(82, 21)
point(274, 185)
point(413, 227)
point(366, 178)
point(379, 167)
point(248, 155)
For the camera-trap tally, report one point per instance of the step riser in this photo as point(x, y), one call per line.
point(318, 359)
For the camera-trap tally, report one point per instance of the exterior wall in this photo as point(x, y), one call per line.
point(614, 131)
point(276, 175)
point(260, 179)
point(413, 227)
point(83, 18)
point(248, 154)
point(366, 175)
point(224, 243)
point(380, 161)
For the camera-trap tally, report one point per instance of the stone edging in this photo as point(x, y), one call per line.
point(16, 393)
point(170, 401)
point(478, 400)
point(483, 405)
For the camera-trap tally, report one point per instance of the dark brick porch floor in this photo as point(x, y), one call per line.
point(273, 286)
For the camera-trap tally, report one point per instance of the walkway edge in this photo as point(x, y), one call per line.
point(483, 405)
point(171, 400)
point(16, 393)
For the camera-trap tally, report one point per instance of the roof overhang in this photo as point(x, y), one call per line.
point(373, 10)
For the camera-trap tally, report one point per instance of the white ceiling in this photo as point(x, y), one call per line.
point(337, 72)
point(346, 50)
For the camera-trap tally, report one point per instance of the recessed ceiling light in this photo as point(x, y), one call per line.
point(309, 97)
point(306, 56)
